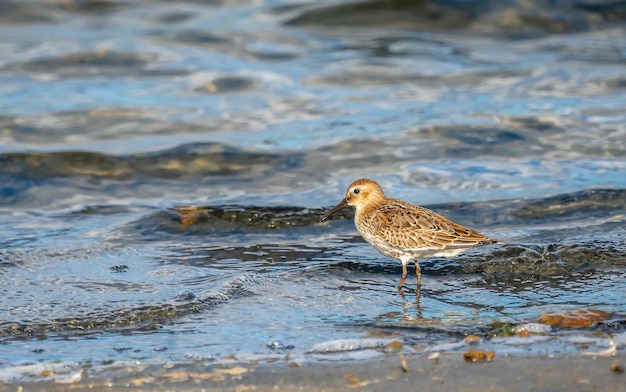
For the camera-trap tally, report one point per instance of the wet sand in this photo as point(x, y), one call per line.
point(449, 373)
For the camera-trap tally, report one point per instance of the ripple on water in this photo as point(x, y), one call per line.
point(100, 64)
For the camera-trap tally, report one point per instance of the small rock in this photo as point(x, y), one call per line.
point(574, 318)
point(405, 367)
point(434, 356)
point(478, 355)
point(394, 346)
point(472, 339)
point(617, 367)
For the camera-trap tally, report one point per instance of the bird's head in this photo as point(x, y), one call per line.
point(361, 194)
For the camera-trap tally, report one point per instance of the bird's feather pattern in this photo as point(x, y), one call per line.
point(406, 226)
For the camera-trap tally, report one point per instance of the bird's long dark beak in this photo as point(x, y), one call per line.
point(342, 204)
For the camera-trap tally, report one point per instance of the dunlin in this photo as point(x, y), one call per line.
point(405, 231)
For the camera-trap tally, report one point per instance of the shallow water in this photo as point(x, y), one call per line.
point(164, 167)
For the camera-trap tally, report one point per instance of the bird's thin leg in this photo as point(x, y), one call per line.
point(418, 273)
point(402, 279)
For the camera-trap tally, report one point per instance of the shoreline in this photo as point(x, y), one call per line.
point(449, 373)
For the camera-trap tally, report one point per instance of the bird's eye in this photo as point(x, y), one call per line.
point(356, 191)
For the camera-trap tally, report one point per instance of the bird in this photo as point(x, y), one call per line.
point(404, 231)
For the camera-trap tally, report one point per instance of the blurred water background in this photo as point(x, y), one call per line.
point(164, 165)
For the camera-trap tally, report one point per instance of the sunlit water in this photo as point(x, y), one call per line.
point(164, 166)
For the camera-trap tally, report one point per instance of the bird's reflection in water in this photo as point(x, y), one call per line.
point(412, 306)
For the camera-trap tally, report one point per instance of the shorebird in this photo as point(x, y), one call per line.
point(404, 231)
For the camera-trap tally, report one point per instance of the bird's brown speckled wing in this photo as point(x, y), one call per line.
point(407, 226)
